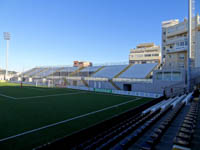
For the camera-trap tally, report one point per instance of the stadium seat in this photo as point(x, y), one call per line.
point(184, 136)
point(48, 71)
point(145, 146)
point(138, 71)
point(186, 130)
point(109, 71)
point(181, 141)
point(159, 131)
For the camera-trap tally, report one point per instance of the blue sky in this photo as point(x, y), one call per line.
point(57, 32)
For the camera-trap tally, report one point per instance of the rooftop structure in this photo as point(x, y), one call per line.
point(82, 63)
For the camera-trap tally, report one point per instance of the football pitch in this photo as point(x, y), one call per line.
point(31, 116)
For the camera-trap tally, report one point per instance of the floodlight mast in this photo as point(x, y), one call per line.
point(189, 42)
point(7, 38)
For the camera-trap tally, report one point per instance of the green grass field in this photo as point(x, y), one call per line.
point(28, 115)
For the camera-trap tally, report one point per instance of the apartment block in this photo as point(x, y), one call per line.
point(175, 43)
point(145, 53)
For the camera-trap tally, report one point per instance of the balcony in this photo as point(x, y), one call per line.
point(176, 32)
point(176, 39)
point(180, 29)
point(177, 49)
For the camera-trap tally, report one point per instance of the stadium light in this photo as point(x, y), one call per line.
point(7, 38)
point(189, 42)
point(6, 35)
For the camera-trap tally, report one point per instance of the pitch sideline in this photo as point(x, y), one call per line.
point(32, 97)
point(51, 95)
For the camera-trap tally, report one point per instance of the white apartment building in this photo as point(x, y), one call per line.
point(175, 43)
point(145, 53)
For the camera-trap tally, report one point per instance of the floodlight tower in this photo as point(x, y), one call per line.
point(189, 42)
point(7, 38)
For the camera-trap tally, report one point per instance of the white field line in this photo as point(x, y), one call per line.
point(37, 89)
point(51, 95)
point(113, 94)
point(7, 96)
point(32, 97)
point(65, 121)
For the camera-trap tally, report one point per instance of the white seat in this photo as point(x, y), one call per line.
point(139, 71)
point(110, 71)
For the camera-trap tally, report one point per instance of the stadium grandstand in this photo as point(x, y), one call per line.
point(122, 77)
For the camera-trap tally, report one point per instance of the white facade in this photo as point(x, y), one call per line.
point(175, 43)
point(145, 53)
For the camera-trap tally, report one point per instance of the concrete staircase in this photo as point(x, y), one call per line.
point(150, 73)
point(75, 72)
point(159, 67)
point(114, 85)
point(55, 71)
point(116, 76)
point(84, 82)
point(66, 82)
point(97, 71)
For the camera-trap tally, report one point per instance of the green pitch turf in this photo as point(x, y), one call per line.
point(35, 108)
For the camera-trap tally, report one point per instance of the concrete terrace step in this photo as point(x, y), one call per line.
point(97, 71)
point(116, 76)
point(76, 71)
point(114, 85)
point(85, 83)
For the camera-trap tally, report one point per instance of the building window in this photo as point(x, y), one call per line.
point(181, 43)
point(147, 55)
point(138, 55)
point(155, 54)
point(177, 44)
point(176, 76)
point(159, 75)
point(167, 76)
point(181, 56)
point(181, 65)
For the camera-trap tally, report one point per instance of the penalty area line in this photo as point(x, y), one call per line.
point(6, 96)
point(67, 120)
point(33, 88)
